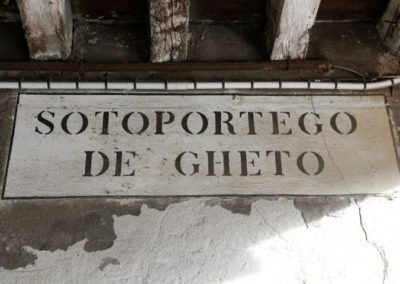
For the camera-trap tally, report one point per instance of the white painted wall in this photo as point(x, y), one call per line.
point(327, 240)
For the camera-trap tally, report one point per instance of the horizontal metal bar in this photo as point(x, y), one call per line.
point(211, 85)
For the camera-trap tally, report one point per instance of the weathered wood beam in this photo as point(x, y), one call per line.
point(287, 27)
point(389, 27)
point(48, 28)
point(169, 30)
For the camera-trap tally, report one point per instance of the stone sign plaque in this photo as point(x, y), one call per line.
point(199, 145)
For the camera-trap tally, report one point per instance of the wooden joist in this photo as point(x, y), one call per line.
point(48, 28)
point(287, 27)
point(389, 27)
point(169, 30)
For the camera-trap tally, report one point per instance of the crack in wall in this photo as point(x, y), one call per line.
point(373, 244)
point(328, 151)
point(302, 215)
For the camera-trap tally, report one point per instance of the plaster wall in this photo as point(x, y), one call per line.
point(336, 239)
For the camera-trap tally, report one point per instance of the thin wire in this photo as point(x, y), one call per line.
point(351, 71)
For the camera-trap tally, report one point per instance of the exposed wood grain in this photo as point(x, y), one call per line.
point(287, 30)
point(389, 27)
point(48, 28)
point(169, 30)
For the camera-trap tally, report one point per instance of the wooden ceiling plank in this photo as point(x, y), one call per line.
point(287, 27)
point(389, 27)
point(48, 28)
point(169, 30)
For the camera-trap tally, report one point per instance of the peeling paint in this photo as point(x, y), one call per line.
point(195, 242)
point(56, 225)
point(108, 261)
point(235, 205)
point(29, 224)
point(314, 208)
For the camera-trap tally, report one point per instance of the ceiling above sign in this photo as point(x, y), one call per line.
point(199, 145)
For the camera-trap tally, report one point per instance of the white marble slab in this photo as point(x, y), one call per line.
point(61, 148)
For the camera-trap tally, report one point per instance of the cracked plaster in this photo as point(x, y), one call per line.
point(336, 239)
point(192, 241)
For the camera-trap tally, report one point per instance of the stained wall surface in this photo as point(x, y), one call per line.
point(271, 239)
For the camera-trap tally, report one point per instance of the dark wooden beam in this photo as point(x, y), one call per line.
point(48, 28)
point(285, 65)
point(225, 11)
point(169, 30)
point(351, 10)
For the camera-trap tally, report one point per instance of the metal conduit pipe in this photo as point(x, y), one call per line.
point(216, 85)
